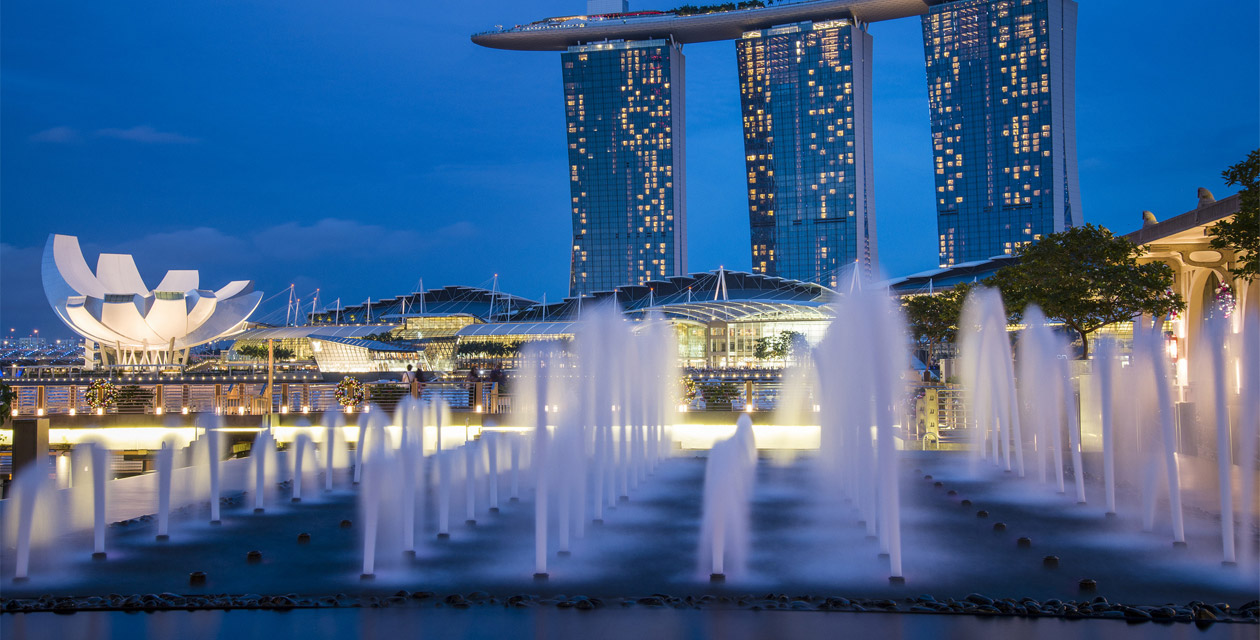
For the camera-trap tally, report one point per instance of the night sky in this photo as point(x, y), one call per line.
point(360, 147)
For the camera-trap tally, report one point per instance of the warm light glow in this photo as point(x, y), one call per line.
point(284, 409)
point(682, 408)
point(1172, 348)
point(183, 410)
point(117, 438)
point(306, 409)
point(478, 409)
point(13, 412)
point(767, 436)
point(240, 411)
point(100, 411)
point(157, 411)
point(218, 411)
point(72, 411)
point(39, 412)
point(749, 408)
point(349, 409)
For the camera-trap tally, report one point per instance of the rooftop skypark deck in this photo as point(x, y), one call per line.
point(557, 34)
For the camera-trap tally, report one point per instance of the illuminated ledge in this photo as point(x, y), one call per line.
point(558, 34)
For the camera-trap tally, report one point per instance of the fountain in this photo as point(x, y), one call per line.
point(165, 473)
point(728, 483)
point(590, 442)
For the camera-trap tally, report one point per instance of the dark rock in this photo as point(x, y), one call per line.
point(965, 502)
point(1131, 613)
point(304, 538)
point(951, 492)
point(1050, 562)
point(1087, 584)
point(977, 598)
point(1024, 543)
point(982, 514)
point(999, 526)
point(254, 557)
point(346, 524)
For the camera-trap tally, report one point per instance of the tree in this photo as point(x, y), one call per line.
point(7, 396)
point(1242, 233)
point(933, 318)
point(780, 347)
point(259, 352)
point(1088, 278)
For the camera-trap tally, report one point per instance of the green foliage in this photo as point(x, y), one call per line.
point(259, 352)
point(7, 397)
point(1088, 278)
point(780, 347)
point(693, 10)
point(488, 349)
point(1242, 233)
point(933, 318)
point(384, 336)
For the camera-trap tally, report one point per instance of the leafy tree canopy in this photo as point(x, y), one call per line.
point(1242, 233)
point(259, 352)
point(1086, 277)
point(7, 396)
point(781, 346)
point(933, 318)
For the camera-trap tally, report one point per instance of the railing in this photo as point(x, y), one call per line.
point(245, 397)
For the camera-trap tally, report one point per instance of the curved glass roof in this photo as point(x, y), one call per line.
point(733, 294)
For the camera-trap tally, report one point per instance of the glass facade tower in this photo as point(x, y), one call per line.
point(806, 101)
point(1001, 92)
point(624, 113)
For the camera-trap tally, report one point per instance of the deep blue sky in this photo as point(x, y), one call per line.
point(361, 146)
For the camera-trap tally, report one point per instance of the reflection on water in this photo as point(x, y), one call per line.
point(606, 624)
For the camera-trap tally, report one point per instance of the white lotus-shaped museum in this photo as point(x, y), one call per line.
point(113, 307)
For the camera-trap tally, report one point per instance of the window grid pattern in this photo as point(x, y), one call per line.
point(800, 117)
point(623, 112)
point(988, 72)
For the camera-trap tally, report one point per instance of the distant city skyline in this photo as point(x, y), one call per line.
point(362, 149)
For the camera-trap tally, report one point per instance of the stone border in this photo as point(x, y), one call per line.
point(1201, 613)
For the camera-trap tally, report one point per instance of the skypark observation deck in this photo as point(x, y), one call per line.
point(558, 34)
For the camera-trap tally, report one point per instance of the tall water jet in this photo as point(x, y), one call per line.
point(859, 406)
point(372, 481)
point(209, 424)
point(1045, 390)
point(1148, 356)
point(165, 469)
point(264, 445)
point(1073, 426)
point(100, 467)
point(302, 446)
point(33, 491)
point(334, 445)
point(728, 479)
point(1210, 375)
point(1104, 370)
point(1247, 350)
point(514, 443)
point(491, 441)
point(471, 452)
point(444, 473)
point(988, 377)
point(411, 450)
point(358, 447)
point(540, 370)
